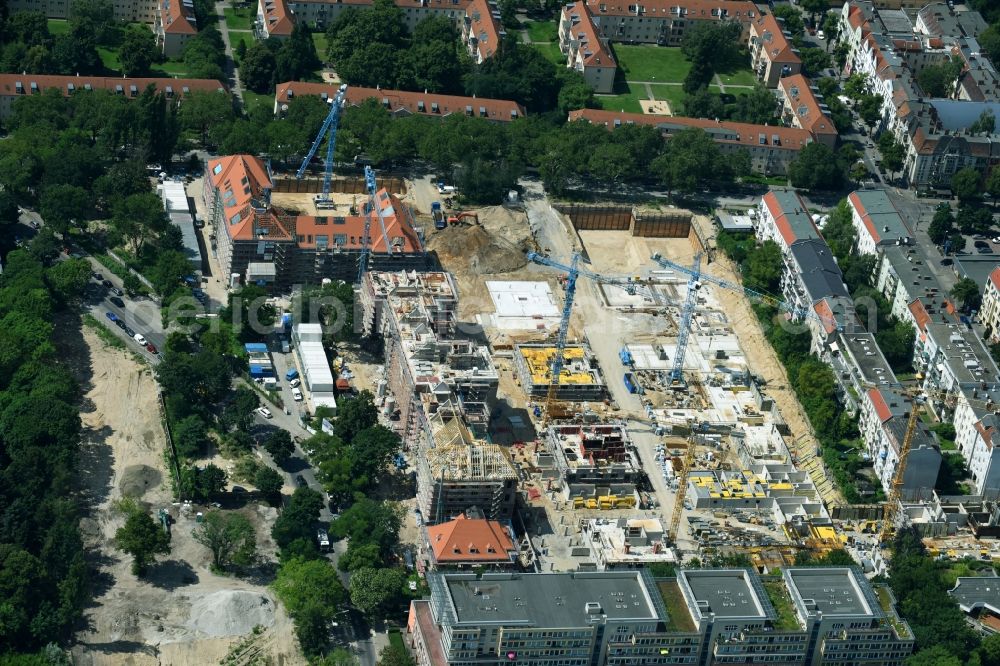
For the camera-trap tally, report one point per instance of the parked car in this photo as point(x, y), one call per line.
point(128, 329)
point(120, 323)
point(984, 250)
point(264, 411)
point(117, 292)
point(296, 395)
point(295, 382)
point(98, 277)
point(111, 315)
point(981, 243)
point(300, 481)
point(151, 348)
point(947, 262)
point(141, 340)
point(117, 301)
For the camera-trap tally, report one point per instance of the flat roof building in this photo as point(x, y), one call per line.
point(594, 460)
point(580, 379)
point(317, 377)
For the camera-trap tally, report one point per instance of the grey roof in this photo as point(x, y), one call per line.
point(551, 599)
point(831, 591)
point(972, 592)
point(728, 593)
point(819, 271)
point(977, 267)
point(958, 114)
point(883, 215)
point(738, 223)
point(909, 262)
point(796, 215)
point(922, 437)
point(896, 22)
point(964, 352)
point(942, 22)
point(868, 358)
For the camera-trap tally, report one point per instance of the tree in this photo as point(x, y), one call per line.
point(296, 58)
point(989, 40)
point(137, 51)
point(791, 18)
point(937, 655)
point(298, 517)
point(816, 168)
point(856, 86)
point(691, 158)
point(376, 591)
point(68, 279)
point(813, 7)
point(941, 226)
point(938, 80)
point(814, 61)
point(369, 521)
point(230, 537)
point(312, 592)
point(612, 163)
point(142, 538)
point(190, 436)
point(269, 482)
point(395, 655)
point(993, 184)
point(762, 270)
point(280, 445)
point(966, 292)
point(203, 110)
point(64, 205)
point(757, 107)
point(965, 184)
point(359, 557)
point(355, 415)
point(985, 124)
point(989, 650)
point(138, 218)
point(713, 44)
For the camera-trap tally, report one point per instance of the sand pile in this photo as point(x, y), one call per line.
point(231, 613)
point(497, 245)
point(137, 479)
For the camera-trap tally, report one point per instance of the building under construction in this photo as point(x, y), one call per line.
point(427, 362)
point(593, 461)
point(438, 392)
point(456, 471)
point(579, 381)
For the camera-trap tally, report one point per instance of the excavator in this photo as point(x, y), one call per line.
point(461, 217)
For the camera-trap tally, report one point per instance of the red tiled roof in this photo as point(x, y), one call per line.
point(690, 10)
point(592, 48)
point(866, 219)
point(985, 433)
point(880, 405)
point(920, 314)
point(484, 27)
point(398, 228)
point(855, 17)
point(805, 106)
point(995, 278)
point(179, 87)
point(470, 540)
point(829, 321)
point(776, 46)
point(405, 102)
point(745, 134)
point(443, 5)
point(176, 18)
point(277, 18)
point(780, 216)
point(238, 179)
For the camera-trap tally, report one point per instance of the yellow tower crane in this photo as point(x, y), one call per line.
point(682, 477)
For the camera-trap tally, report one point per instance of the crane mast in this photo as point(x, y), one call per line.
point(328, 131)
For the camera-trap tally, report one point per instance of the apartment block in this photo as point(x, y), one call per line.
point(585, 50)
point(772, 55)
point(621, 618)
point(174, 24)
point(260, 243)
point(14, 86)
point(274, 20)
point(858, 365)
point(402, 103)
point(883, 422)
point(989, 311)
point(777, 490)
point(664, 22)
point(470, 541)
point(876, 221)
point(138, 11)
point(977, 436)
point(323, 12)
point(770, 148)
point(481, 29)
point(802, 106)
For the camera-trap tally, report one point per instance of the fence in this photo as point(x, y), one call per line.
point(673, 224)
point(136, 273)
point(354, 185)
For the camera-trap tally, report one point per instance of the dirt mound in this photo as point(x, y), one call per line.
point(231, 613)
point(497, 245)
point(137, 479)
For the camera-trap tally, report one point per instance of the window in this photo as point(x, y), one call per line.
point(217, 170)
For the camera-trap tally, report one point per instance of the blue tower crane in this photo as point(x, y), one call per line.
point(572, 271)
point(329, 131)
point(756, 296)
point(376, 209)
point(694, 284)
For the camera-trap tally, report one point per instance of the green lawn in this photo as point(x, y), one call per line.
point(239, 19)
point(542, 31)
point(628, 101)
point(319, 39)
point(652, 63)
point(236, 37)
point(169, 68)
point(552, 52)
point(109, 57)
point(673, 94)
point(58, 26)
point(740, 77)
point(252, 100)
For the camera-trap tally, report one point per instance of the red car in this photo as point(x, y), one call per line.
point(151, 348)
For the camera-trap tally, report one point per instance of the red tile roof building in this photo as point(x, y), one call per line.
point(13, 86)
point(585, 50)
point(275, 19)
point(771, 148)
point(989, 312)
point(259, 242)
point(771, 53)
point(466, 542)
point(802, 107)
point(405, 103)
point(173, 25)
point(323, 12)
point(481, 30)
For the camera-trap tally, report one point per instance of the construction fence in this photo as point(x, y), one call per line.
point(671, 224)
point(349, 185)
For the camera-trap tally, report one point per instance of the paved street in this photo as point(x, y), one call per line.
point(232, 71)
